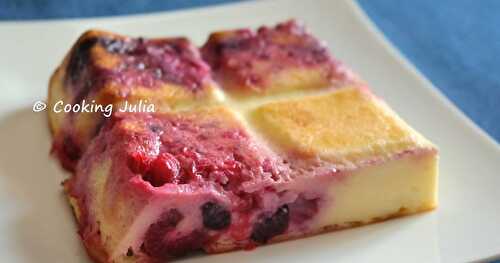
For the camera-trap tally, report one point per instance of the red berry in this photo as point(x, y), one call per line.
point(162, 242)
point(138, 162)
point(164, 169)
point(154, 240)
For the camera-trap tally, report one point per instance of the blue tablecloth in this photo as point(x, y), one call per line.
point(455, 43)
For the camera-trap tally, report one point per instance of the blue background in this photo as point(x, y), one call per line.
point(455, 43)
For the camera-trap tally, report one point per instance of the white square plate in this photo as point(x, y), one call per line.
point(36, 224)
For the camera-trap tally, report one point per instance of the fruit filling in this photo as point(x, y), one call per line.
point(249, 58)
point(203, 178)
point(106, 70)
point(197, 153)
point(195, 175)
point(131, 62)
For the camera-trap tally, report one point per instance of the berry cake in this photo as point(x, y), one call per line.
point(108, 69)
point(272, 60)
point(289, 146)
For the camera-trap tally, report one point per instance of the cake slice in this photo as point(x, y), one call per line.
point(105, 69)
point(153, 187)
point(273, 60)
point(215, 173)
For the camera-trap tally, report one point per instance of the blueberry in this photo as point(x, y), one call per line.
point(215, 216)
point(271, 226)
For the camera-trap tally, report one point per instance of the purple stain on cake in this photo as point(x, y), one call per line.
point(302, 209)
point(140, 62)
point(71, 149)
point(148, 62)
point(154, 239)
point(270, 226)
point(239, 52)
point(161, 240)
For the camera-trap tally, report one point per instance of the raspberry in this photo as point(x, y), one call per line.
point(154, 240)
point(138, 162)
point(164, 169)
point(159, 244)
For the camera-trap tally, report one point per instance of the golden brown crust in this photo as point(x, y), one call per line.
point(331, 228)
point(93, 246)
point(348, 126)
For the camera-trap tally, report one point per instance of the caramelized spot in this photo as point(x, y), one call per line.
point(130, 252)
point(80, 58)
